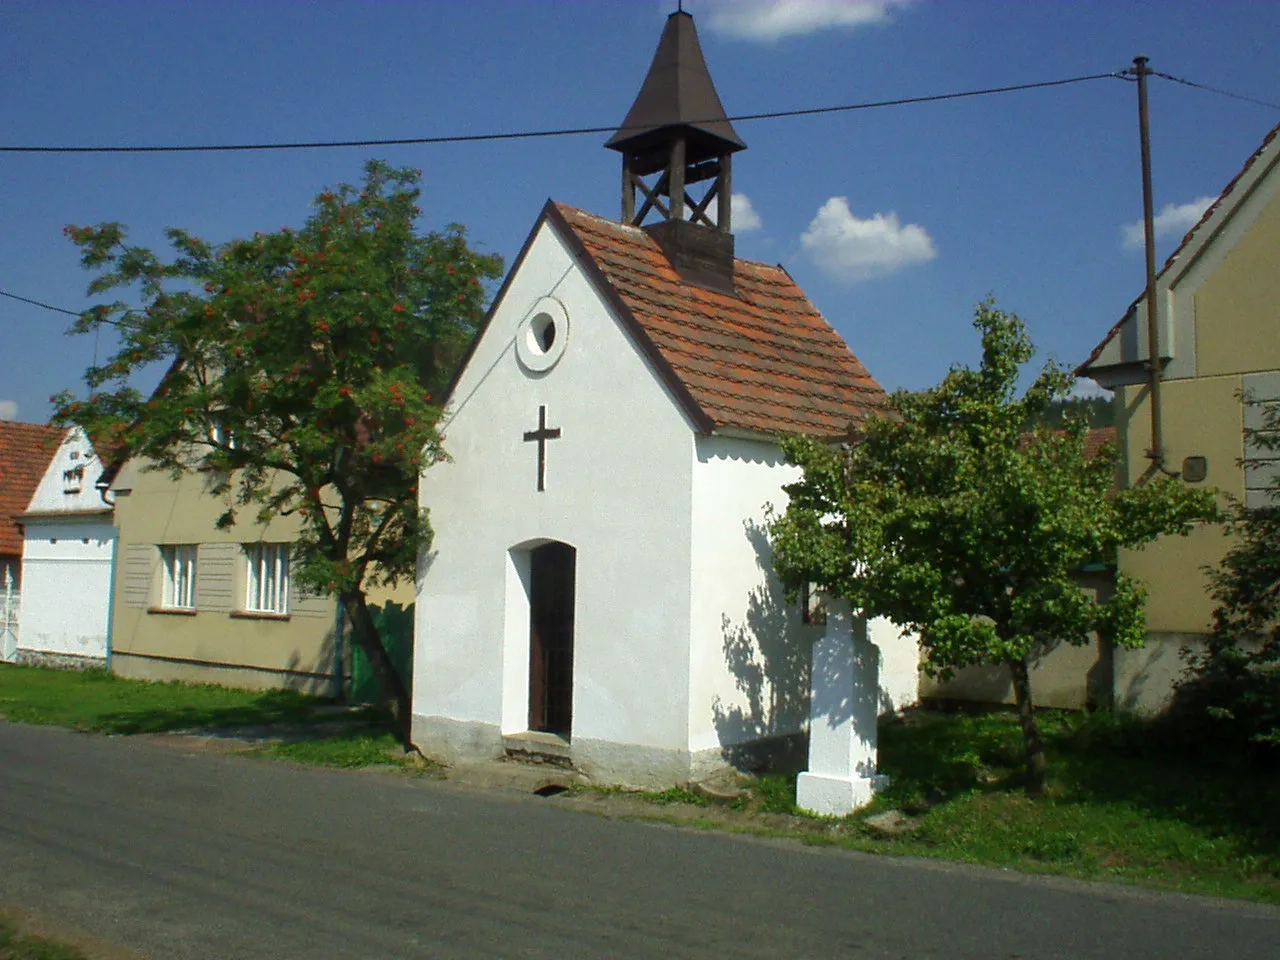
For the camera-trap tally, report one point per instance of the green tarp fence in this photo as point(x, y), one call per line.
point(395, 626)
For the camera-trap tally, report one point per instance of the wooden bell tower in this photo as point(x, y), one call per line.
point(676, 136)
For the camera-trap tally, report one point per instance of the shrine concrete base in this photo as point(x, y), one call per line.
point(836, 796)
point(610, 762)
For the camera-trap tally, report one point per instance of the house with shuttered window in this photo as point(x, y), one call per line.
point(1219, 355)
point(195, 603)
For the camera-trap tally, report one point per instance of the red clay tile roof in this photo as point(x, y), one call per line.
point(26, 450)
point(762, 361)
point(1082, 370)
point(1096, 439)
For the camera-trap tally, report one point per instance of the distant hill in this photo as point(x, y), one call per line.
point(1096, 411)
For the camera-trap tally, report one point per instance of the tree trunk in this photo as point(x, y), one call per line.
point(1030, 732)
point(394, 691)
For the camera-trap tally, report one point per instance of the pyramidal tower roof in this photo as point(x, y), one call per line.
point(677, 96)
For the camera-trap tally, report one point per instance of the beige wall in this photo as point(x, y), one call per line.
point(1063, 676)
point(1237, 325)
point(1201, 417)
point(1234, 291)
point(218, 643)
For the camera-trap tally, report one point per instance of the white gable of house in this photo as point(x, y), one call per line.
point(68, 485)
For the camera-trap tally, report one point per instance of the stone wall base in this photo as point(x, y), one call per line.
point(610, 762)
point(138, 667)
point(57, 661)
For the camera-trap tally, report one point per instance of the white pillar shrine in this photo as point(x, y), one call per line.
point(844, 701)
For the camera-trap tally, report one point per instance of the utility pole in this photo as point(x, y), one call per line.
point(1156, 453)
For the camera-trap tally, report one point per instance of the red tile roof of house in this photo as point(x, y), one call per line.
point(761, 360)
point(26, 450)
point(1096, 439)
point(1082, 370)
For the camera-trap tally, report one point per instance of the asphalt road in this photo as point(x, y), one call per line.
point(196, 855)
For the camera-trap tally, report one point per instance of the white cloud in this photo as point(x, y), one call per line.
point(1086, 389)
point(8, 409)
point(743, 215)
point(849, 249)
point(770, 20)
point(1172, 219)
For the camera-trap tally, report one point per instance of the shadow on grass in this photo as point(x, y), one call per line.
point(1117, 759)
point(930, 754)
point(265, 711)
point(1098, 761)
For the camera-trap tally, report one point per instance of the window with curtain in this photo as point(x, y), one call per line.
point(268, 586)
point(179, 576)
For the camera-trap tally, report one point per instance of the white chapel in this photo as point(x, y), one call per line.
point(600, 586)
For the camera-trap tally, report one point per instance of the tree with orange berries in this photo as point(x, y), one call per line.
point(304, 368)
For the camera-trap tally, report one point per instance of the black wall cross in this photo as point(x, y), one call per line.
point(542, 435)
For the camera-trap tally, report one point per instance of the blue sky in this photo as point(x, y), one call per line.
point(895, 221)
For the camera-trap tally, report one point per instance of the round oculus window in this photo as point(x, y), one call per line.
point(543, 335)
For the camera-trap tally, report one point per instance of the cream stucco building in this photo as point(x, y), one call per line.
point(1218, 303)
point(192, 602)
point(195, 603)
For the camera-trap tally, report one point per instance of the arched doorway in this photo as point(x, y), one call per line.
point(551, 599)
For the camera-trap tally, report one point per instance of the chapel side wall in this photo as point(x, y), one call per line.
point(749, 649)
point(617, 489)
point(66, 588)
point(212, 645)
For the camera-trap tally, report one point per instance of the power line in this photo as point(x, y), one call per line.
point(562, 132)
point(98, 320)
point(1217, 90)
point(37, 303)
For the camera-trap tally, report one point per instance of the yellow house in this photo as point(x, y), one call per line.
point(1218, 308)
point(192, 602)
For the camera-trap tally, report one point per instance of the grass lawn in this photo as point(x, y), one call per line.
point(94, 700)
point(347, 751)
point(1120, 804)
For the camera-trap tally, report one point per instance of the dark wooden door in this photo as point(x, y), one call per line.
point(551, 639)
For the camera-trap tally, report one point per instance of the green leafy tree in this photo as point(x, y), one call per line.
point(949, 516)
point(303, 371)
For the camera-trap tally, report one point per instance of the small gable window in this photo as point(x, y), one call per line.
point(541, 340)
point(73, 479)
